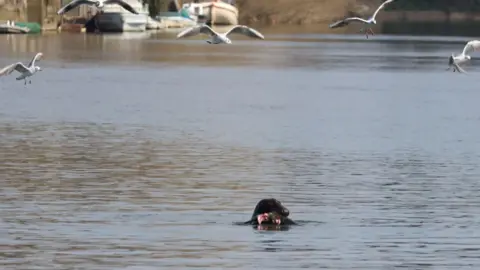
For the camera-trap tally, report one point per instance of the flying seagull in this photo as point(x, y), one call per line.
point(369, 21)
point(455, 61)
point(217, 38)
point(26, 71)
point(98, 3)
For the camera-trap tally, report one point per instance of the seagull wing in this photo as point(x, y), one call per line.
point(471, 46)
point(125, 5)
point(73, 5)
point(36, 58)
point(192, 31)
point(16, 66)
point(380, 7)
point(346, 21)
point(459, 68)
point(245, 30)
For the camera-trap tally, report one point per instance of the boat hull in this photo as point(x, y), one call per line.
point(114, 18)
point(220, 13)
point(12, 29)
point(121, 22)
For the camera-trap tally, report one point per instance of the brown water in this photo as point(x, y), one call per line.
point(141, 151)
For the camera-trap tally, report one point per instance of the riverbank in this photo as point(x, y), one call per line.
point(308, 12)
point(316, 14)
point(36, 11)
point(298, 12)
point(429, 16)
point(271, 12)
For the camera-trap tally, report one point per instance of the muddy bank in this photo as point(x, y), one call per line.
point(12, 10)
point(301, 12)
point(39, 11)
point(310, 12)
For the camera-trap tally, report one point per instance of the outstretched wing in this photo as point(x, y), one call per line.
point(471, 46)
point(192, 31)
point(245, 30)
point(459, 68)
point(346, 21)
point(72, 5)
point(380, 7)
point(123, 4)
point(37, 57)
point(16, 66)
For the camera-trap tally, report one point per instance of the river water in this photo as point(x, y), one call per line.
point(139, 151)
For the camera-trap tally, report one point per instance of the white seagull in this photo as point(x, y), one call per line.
point(26, 71)
point(455, 61)
point(217, 38)
point(98, 3)
point(369, 21)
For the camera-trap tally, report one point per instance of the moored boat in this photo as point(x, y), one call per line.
point(216, 12)
point(11, 27)
point(114, 18)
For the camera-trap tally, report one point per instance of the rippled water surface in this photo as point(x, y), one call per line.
point(139, 151)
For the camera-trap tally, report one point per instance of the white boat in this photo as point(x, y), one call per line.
point(117, 19)
point(216, 12)
point(10, 28)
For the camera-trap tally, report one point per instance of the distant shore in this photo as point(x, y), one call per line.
point(428, 16)
point(308, 12)
point(316, 14)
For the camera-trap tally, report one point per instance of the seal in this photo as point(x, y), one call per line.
point(270, 212)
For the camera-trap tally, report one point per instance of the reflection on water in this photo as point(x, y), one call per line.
point(143, 152)
point(320, 52)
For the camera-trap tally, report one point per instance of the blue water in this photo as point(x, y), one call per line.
point(141, 151)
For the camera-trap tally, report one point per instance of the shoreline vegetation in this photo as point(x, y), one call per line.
point(317, 13)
